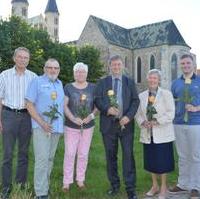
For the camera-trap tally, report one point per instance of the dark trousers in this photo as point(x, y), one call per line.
point(16, 127)
point(111, 140)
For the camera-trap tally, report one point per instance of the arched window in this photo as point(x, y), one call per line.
point(24, 12)
point(139, 70)
point(126, 62)
point(174, 69)
point(152, 62)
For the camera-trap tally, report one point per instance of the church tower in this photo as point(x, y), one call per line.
point(52, 19)
point(20, 8)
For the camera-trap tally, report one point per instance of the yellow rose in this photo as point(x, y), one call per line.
point(83, 97)
point(53, 95)
point(188, 81)
point(111, 93)
point(151, 99)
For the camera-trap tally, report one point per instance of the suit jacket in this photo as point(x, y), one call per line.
point(129, 97)
point(164, 105)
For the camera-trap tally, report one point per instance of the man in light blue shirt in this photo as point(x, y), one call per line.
point(45, 103)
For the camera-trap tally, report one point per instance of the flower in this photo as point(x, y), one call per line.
point(111, 93)
point(54, 95)
point(53, 114)
point(112, 99)
point(188, 81)
point(186, 97)
point(151, 99)
point(83, 97)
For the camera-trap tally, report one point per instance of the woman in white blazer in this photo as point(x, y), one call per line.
point(154, 117)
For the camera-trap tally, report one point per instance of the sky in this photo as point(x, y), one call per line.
point(125, 13)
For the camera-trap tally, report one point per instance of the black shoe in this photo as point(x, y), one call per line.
point(113, 191)
point(132, 196)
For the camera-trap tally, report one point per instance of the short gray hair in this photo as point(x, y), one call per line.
point(114, 58)
point(50, 60)
point(21, 49)
point(80, 66)
point(154, 71)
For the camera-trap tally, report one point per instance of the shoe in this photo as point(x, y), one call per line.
point(42, 197)
point(194, 194)
point(81, 185)
point(152, 192)
point(66, 188)
point(177, 190)
point(113, 191)
point(132, 196)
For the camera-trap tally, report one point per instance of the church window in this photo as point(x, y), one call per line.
point(24, 12)
point(174, 67)
point(56, 20)
point(152, 62)
point(139, 70)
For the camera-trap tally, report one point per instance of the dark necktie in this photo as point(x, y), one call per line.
point(116, 86)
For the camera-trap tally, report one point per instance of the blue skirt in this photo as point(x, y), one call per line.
point(158, 158)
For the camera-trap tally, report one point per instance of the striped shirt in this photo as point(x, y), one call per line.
point(13, 87)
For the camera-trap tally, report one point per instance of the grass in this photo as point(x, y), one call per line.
point(96, 179)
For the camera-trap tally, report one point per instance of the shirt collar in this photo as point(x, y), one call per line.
point(46, 77)
point(193, 76)
point(118, 77)
point(14, 71)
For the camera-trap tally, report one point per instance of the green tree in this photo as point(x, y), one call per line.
point(91, 56)
point(16, 32)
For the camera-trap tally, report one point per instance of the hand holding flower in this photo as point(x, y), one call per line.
point(146, 124)
point(47, 127)
point(191, 108)
point(113, 111)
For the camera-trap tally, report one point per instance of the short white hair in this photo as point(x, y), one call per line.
point(155, 71)
point(80, 66)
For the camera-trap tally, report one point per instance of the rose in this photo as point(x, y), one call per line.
point(111, 93)
point(83, 97)
point(54, 95)
point(188, 81)
point(151, 99)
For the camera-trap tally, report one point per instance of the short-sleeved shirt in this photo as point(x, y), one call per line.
point(177, 89)
point(40, 94)
point(74, 95)
point(13, 87)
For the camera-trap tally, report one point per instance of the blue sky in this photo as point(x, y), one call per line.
point(126, 13)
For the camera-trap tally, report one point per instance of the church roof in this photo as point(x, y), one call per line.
point(23, 1)
point(155, 34)
point(51, 6)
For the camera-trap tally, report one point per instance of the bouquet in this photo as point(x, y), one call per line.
point(186, 97)
point(82, 109)
point(53, 114)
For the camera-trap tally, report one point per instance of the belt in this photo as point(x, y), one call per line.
point(15, 110)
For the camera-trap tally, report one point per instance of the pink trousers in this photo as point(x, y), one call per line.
point(77, 144)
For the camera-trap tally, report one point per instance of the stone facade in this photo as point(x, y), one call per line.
point(164, 55)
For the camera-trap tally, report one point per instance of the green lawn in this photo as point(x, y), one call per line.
point(96, 179)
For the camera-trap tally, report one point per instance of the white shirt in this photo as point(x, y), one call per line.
point(13, 87)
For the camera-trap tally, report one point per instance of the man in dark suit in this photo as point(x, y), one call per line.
point(116, 123)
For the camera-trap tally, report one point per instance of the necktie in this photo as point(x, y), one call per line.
point(116, 86)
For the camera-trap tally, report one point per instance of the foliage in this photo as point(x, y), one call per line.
point(16, 32)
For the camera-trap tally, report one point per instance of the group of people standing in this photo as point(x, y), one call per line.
point(72, 110)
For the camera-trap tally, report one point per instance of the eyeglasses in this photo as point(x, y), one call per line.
point(51, 68)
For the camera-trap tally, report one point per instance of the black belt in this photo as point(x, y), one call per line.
point(15, 110)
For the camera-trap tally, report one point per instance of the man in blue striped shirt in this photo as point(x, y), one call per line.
point(15, 121)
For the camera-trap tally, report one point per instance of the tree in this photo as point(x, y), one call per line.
point(91, 56)
point(16, 32)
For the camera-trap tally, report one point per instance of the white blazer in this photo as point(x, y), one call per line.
point(165, 107)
